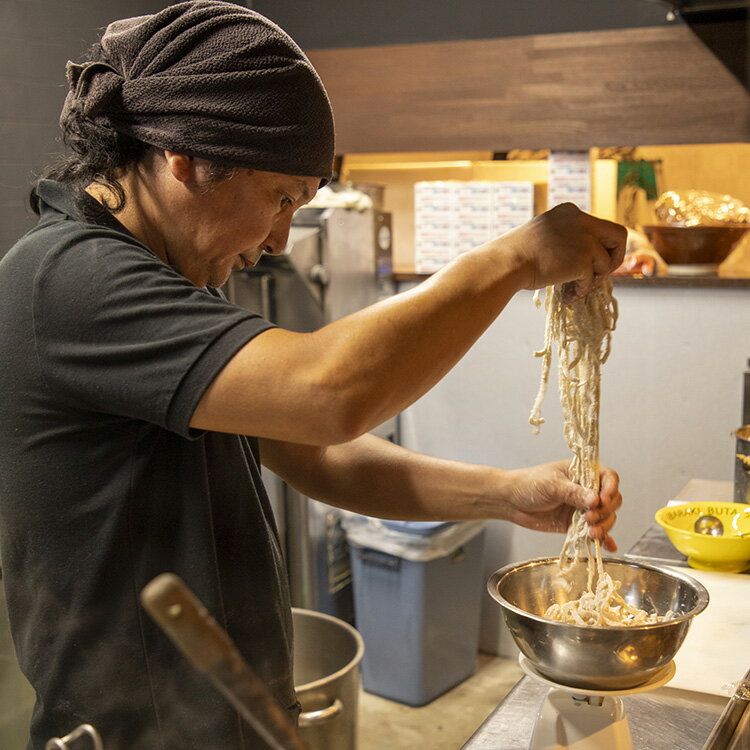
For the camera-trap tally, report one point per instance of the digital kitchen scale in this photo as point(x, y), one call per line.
point(573, 718)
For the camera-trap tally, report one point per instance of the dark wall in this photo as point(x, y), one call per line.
point(37, 38)
point(327, 24)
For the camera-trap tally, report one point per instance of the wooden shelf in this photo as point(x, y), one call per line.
point(718, 282)
point(551, 91)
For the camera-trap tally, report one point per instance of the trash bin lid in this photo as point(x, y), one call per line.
point(422, 528)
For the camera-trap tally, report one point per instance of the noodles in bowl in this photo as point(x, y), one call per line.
point(600, 604)
point(596, 657)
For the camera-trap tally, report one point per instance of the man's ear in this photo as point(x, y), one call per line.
point(181, 166)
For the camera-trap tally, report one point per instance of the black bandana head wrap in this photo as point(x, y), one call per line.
point(209, 79)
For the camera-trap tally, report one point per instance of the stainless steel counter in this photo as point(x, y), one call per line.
point(663, 719)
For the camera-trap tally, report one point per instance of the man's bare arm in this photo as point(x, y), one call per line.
point(339, 382)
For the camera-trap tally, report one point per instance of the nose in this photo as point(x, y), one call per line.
point(278, 237)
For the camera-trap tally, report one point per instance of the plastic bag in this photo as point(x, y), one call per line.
point(409, 540)
point(691, 208)
point(343, 197)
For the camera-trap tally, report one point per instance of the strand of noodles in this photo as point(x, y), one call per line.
point(582, 332)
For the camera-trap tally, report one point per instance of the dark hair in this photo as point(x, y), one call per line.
point(97, 153)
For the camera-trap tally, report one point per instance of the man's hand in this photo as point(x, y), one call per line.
point(565, 245)
point(544, 498)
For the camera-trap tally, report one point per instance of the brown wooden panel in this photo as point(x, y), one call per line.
point(564, 91)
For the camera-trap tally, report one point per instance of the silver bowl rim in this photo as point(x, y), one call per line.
point(701, 604)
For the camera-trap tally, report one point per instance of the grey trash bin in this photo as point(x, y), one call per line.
point(419, 617)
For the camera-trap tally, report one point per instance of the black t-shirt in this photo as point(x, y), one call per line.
point(104, 353)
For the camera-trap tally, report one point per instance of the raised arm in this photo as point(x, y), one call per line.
point(336, 383)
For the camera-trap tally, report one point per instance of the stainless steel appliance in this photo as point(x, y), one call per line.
point(337, 261)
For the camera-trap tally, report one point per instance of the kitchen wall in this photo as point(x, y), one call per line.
point(671, 396)
point(719, 168)
point(361, 23)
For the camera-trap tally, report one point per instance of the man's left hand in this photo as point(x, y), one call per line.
point(544, 498)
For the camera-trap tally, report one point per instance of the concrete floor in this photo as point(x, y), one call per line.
point(444, 724)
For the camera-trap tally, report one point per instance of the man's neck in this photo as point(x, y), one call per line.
point(137, 214)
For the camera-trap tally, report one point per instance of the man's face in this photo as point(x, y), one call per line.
point(215, 228)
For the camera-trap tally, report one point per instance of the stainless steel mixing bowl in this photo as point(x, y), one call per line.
point(596, 657)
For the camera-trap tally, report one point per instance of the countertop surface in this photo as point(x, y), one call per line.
point(669, 718)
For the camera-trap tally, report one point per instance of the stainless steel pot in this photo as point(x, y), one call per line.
point(741, 467)
point(327, 656)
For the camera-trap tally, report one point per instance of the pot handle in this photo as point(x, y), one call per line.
point(62, 743)
point(312, 718)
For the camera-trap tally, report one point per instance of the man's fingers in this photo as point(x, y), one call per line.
point(609, 484)
point(613, 238)
point(604, 523)
point(601, 533)
point(603, 262)
point(575, 290)
point(581, 498)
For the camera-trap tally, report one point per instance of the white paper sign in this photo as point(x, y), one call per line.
point(569, 179)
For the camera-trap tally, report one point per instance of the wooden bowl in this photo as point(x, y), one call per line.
point(701, 245)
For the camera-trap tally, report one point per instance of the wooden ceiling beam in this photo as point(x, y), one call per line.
point(628, 87)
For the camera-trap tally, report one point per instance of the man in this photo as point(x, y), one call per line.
point(131, 386)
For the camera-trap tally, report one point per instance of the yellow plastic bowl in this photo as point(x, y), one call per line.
point(729, 553)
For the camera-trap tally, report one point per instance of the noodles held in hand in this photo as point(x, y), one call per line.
point(582, 332)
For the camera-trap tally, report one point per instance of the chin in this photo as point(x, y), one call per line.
point(217, 281)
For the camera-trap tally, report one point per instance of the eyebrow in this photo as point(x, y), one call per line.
point(303, 187)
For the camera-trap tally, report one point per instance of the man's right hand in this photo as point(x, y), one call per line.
point(563, 245)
